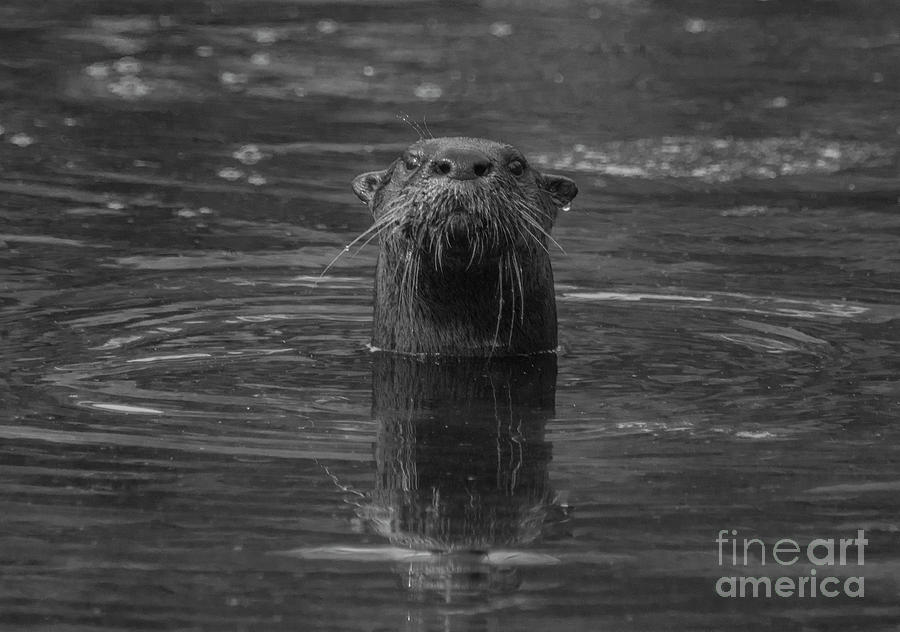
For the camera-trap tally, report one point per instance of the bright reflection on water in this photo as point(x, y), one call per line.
point(194, 435)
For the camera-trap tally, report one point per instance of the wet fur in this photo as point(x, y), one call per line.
point(464, 267)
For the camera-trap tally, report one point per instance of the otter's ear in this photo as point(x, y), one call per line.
point(560, 188)
point(365, 184)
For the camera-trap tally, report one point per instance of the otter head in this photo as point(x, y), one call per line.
point(464, 267)
point(464, 200)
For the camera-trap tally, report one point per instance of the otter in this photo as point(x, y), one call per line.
point(464, 266)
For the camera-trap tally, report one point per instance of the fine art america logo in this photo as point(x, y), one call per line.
point(833, 566)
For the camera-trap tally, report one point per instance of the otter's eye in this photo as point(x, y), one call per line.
point(516, 167)
point(411, 162)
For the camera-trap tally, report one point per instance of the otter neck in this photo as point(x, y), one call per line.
point(479, 310)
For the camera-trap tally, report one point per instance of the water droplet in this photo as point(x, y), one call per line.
point(248, 154)
point(368, 71)
point(265, 35)
point(21, 140)
point(566, 208)
point(97, 71)
point(129, 87)
point(257, 180)
point(428, 91)
point(327, 27)
point(261, 59)
point(695, 25)
point(128, 66)
point(232, 78)
point(230, 173)
point(501, 29)
point(204, 51)
point(831, 152)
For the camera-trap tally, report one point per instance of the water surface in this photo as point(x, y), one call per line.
point(195, 436)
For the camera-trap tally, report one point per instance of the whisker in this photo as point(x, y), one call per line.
point(533, 222)
point(526, 230)
point(403, 116)
point(473, 244)
point(405, 298)
point(495, 343)
point(414, 290)
point(512, 298)
point(375, 229)
point(517, 268)
point(371, 237)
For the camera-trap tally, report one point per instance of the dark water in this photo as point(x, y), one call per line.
point(195, 437)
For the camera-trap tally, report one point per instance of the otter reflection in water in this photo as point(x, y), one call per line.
point(462, 467)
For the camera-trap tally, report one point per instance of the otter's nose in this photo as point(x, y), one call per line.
point(462, 164)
